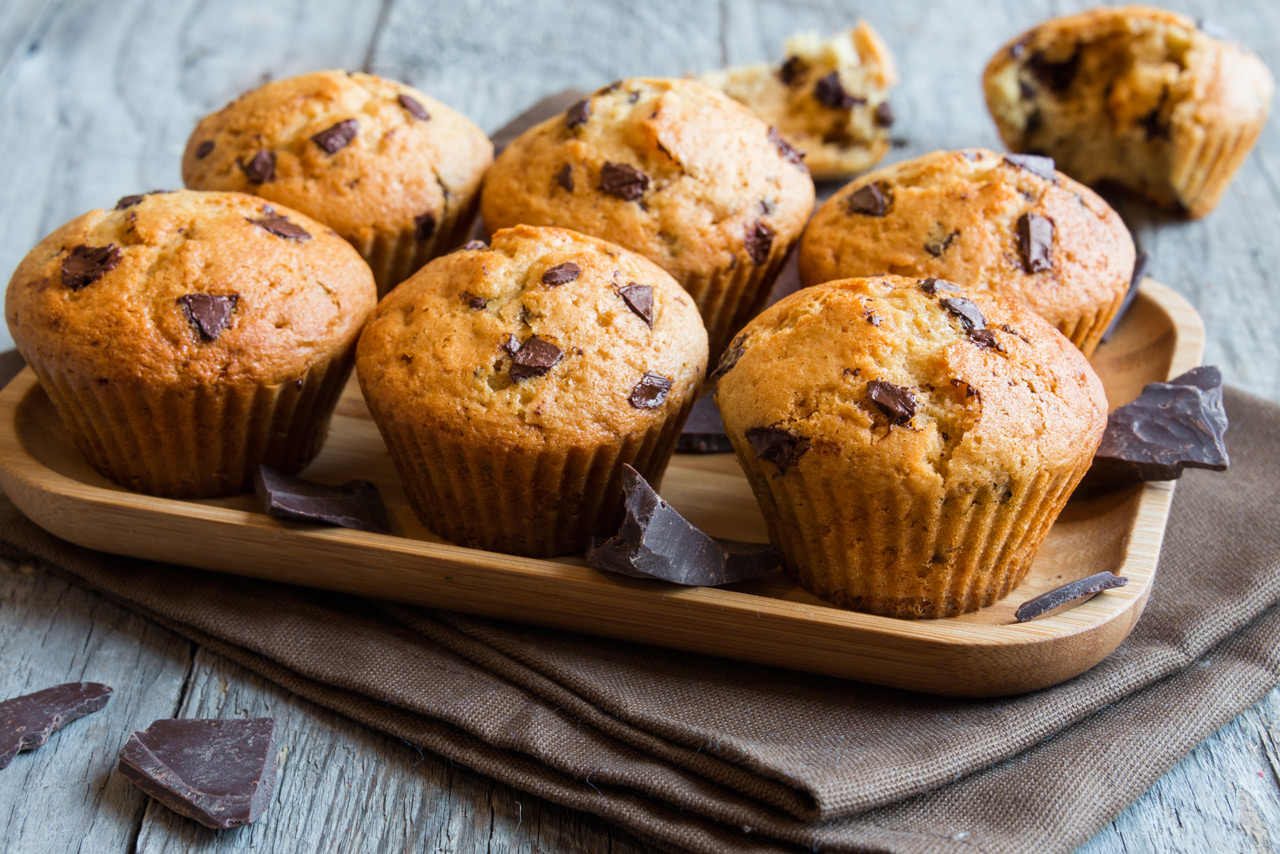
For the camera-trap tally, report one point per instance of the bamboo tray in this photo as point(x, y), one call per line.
point(768, 620)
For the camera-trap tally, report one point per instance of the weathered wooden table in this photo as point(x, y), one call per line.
point(97, 100)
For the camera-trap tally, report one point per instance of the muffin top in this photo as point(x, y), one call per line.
point(910, 379)
point(1009, 224)
point(669, 168)
point(189, 288)
point(547, 336)
point(362, 154)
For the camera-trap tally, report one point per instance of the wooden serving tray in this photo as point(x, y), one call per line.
point(769, 620)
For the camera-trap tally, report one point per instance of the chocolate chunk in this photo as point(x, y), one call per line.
point(931, 286)
point(778, 446)
point(872, 318)
point(830, 92)
point(26, 722)
point(281, 226)
point(657, 542)
point(970, 315)
point(333, 139)
point(759, 242)
point(473, 245)
point(792, 70)
point(204, 149)
point(895, 402)
point(561, 274)
point(1140, 264)
point(884, 115)
point(729, 358)
point(565, 178)
point(356, 504)
point(424, 225)
point(1036, 164)
point(129, 201)
point(1057, 76)
point(474, 301)
point(639, 298)
point(986, 338)
point(84, 265)
point(578, 113)
point(533, 358)
point(1035, 242)
point(414, 107)
point(874, 199)
point(221, 773)
point(940, 240)
point(625, 182)
point(1074, 592)
point(209, 314)
point(789, 152)
point(1170, 427)
point(1152, 124)
point(650, 392)
point(261, 168)
point(703, 432)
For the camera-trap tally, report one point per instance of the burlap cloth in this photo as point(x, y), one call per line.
point(701, 754)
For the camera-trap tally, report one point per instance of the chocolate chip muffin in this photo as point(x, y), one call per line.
point(513, 382)
point(185, 338)
point(828, 97)
point(1010, 224)
point(1135, 96)
point(910, 442)
point(393, 171)
point(671, 169)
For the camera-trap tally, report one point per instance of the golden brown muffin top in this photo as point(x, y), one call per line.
point(358, 152)
point(1009, 224)
point(189, 288)
point(909, 378)
point(669, 168)
point(547, 336)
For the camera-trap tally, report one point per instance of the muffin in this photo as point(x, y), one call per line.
point(185, 338)
point(674, 170)
point(1009, 224)
point(1135, 96)
point(393, 171)
point(829, 98)
point(512, 383)
point(909, 442)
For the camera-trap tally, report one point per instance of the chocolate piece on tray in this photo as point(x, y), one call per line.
point(356, 504)
point(221, 773)
point(1171, 426)
point(1074, 592)
point(1140, 265)
point(704, 431)
point(26, 722)
point(657, 542)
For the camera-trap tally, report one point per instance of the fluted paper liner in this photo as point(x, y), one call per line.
point(727, 299)
point(395, 257)
point(1201, 172)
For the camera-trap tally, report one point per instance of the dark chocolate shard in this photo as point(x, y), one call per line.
point(578, 113)
point(791, 70)
point(1036, 164)
point(931, 286)
point(897, 404)
point(533, 358)
point(1140, 264)
point(639, 298)
point(759, 242)
point(129, 201)
point(565, 178)
point(260, 168)
point(830, 92)
point(221, 773)
point(204, 149)
point(414, 107)
point(657, 542)
point(1172, 426)
point(874, 199)
point(474, 301)
point(356, 504)
point(1057, 76)
point(703, 432)
point(650, 392)
point(281, 226)
point(940, 240)
point(84, 265)
point(884, 115)
point(970, 315)
point(781, 447)
point(729, 358)
point(337, 137)
point(1073, 593)
point(624, 181)
point(561, 274)
point(209, 314)
point(789, 152)
point(1035, 242)
point(26, 722)
point(986, 338)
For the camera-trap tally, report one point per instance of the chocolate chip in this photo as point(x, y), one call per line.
point(703, 432)
point(129, 201)
point(871, 317)
point(1035, 242)
point(1074, 593)
point(781, 447)
point(650, 392)
point(791, 70)
point(221, 773)
point(356, 504)
point(473, 245)
point(1036, 164)
point(204, 149)
point(759, 242)
point(1057, 76)
point(26, 722)
point(789, 153)
point(729, 358)
point(830, 92)
point(655, 541)
point(209, 314)
point(84, 265)
point(578, 113)
point(894, 401)
point(986, 338)
point(414, 107)
point(639, 298)
point(1140, 264)
point(424, 225)
point(261, 168)
point(533, 358)
point(874, 199)
point(281, 226)
point(970, 315)
point(884, 115)
point(931, 286)
point(337, 137)
point(474, 301)
point(625, 182)
point(940, 240)
point(565, 178)
point(561, 274)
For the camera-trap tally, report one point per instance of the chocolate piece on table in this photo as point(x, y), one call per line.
point(650, 392)
point(1035, 242)
point(894, 401)
point(758, 242)
point(26, 722)
point(356, 504)
point(221, 773)
point(703, 432)
point(1074, 592)
point(281, 226)
point(1140, 264)
point(414, 107)
point(622, 180)
point(561, 274)
point(261, 168)
point(533, 358)
point(873, 199)
point(209, 314)
point(657, 542)
point(84, 265)
point(781, 447)
point(337, 137)
point(639, 298)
